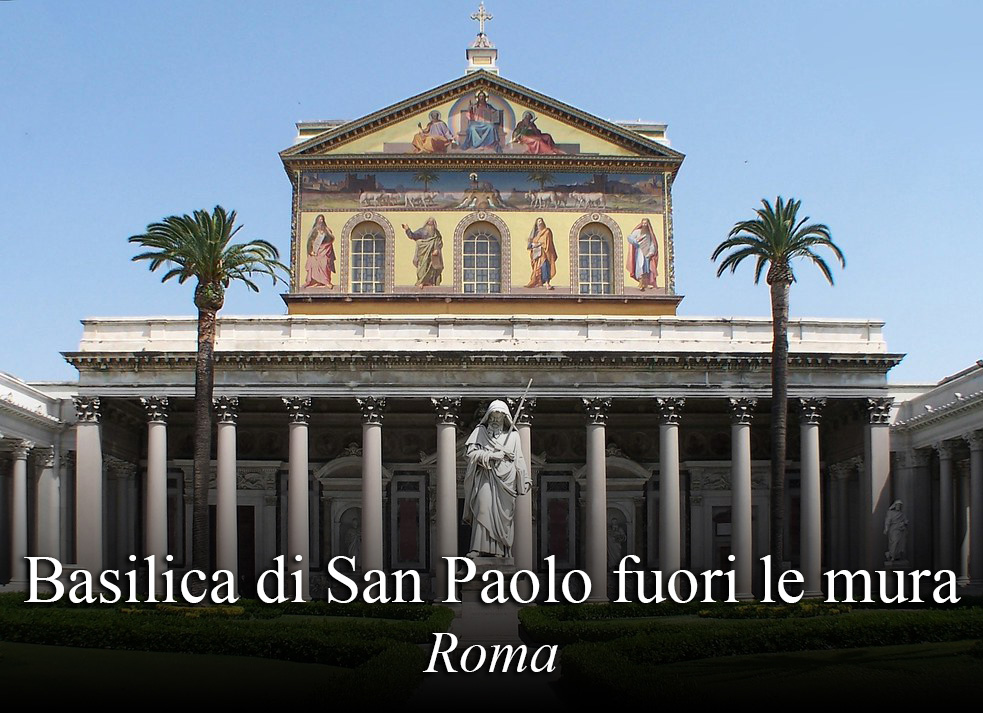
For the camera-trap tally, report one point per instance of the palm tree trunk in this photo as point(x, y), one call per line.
point(779, 418)
point(204, 383)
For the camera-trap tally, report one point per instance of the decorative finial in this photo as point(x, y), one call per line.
point(482, 54)
point(481, 16)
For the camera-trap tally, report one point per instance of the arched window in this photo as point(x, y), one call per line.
point(594, 273)
point(368, 258)
point(482, 259)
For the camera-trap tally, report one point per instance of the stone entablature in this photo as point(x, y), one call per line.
point(950, 410)
point(393, 334)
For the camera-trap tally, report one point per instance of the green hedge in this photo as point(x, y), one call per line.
point(348, 641)
point(801, 610)
point(630, 664)
point(571, 623)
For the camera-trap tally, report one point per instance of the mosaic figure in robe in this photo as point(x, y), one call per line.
point(482, 128)
point(320, 255)
point(428, 258)
point(436, 137)
point(643, 255)
point(528, 134)
point(542, 255)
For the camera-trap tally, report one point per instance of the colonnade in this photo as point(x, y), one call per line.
point(875, 490)
point(958, 521)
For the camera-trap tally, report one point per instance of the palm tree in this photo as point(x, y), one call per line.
point(426, 178)
point(775, 238)
point(542, 178)
point(198, 246)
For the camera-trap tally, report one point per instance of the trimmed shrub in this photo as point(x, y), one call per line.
point(630, 664)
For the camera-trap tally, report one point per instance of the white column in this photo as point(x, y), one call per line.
point(448, 409)
point(18, 515)
point(810, 498)
point(975, 440)
point(741, 412)
point(155, 492)
point(946, 549)
point(597, 499)
point(962, 524)
point(372, 411)
point(89, 485)
point(670, 536)
point(522, 546)
point(48, 520)
point(298, 494)
point(226, 487)
point(877, 494)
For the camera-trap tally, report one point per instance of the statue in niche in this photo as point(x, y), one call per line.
point(617, 537)
point(496, 474)
point(353, 541)
point(896, 529)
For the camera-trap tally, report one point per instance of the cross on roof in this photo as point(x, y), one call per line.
point(481, 16)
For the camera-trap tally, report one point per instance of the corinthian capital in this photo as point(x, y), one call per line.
point(742, 411)
point(87, 408)
point(226, 409)
point(597, 410)
point(45, 457)
point(670, 410)
point(448, 409)
point(879, 411)
point(946, 449)
point(21, 449)
point(811, 410)
point(524, 417)
point(372, 408)
point(975, 440)
point(298, 408)
point(156, 408)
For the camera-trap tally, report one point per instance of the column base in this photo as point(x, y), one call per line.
point(745, 597)
point(813, 594)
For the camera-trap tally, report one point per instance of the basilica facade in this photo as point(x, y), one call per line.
point(477, 241)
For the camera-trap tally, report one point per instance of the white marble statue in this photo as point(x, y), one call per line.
point(353, 542)
point(616, 542)
point(496, 474)
point(895, 527)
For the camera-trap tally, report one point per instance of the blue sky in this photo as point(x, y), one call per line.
point(114, 115)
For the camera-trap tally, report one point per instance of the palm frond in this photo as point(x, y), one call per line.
point(198, 245)
point(775, 236)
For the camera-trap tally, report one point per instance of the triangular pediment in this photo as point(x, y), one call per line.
point(481, 113)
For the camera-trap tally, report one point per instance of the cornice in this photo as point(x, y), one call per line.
point(26, 414)
point(421, 295)
point(939, 413)
point(487, 162)
point(439, 360)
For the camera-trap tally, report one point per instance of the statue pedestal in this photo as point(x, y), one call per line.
point(892, 567)
point(480, 623)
